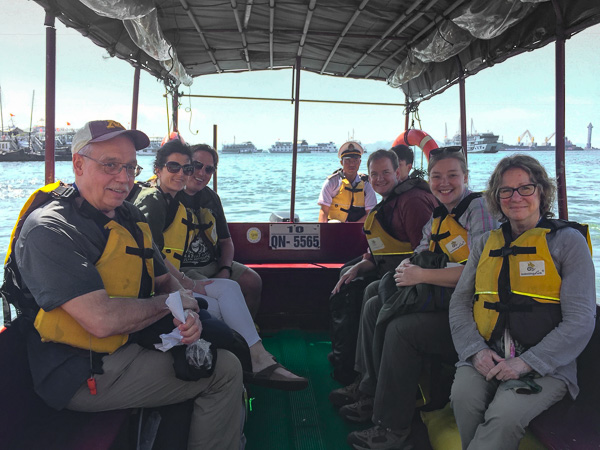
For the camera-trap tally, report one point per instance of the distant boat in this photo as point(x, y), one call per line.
point(288, 147)
point(244, 147)
point(478, 142)
point(16, 148)
point(152, 148)
point(323, 147)
point(534, 147)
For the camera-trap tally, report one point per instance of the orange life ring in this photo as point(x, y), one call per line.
point(174, 135)
point(418, 138)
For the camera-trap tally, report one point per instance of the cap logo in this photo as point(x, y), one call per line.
point(113, 124)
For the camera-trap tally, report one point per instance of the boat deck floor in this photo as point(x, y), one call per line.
point(303, 419)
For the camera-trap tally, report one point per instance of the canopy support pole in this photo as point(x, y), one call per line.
point(295, 142)
point(136, 97)
point(50, 96)
point(463, 108)
point(215, 147)
point(561, 180)
point(406, 118)
point(175, 111)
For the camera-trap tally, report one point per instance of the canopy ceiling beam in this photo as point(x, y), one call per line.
point(433, 23)
point(241, 30)
point(248, 12)
point(271, 30)
point(211, 55)
point(387, 32)
point(309, 14)
point(343, 34)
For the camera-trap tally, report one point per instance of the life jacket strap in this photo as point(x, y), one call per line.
point(504, 307)
point(438, 237)
point(512, 251)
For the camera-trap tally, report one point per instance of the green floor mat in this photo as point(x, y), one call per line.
point(305, 419)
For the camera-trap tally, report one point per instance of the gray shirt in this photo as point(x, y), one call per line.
point(555, 354)
point(56, 252)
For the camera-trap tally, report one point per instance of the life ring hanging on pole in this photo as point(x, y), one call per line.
point(419, 138)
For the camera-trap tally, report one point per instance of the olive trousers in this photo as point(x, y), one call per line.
point(490, 417)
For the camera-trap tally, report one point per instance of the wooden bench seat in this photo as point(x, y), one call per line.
point(297, 283)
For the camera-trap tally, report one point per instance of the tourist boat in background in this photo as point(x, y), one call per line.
point(486, 142)
point(288, 147)
point(155, 144)
point(323, 147)
point(244, 147)
point(297, 280)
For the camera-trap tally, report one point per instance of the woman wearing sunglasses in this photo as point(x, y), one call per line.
point(522, 312)
point(408, 320)
point(175, 228)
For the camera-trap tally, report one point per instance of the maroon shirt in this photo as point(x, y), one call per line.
point(404, 216)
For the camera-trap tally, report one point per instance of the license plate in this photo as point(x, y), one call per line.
point(294, 237)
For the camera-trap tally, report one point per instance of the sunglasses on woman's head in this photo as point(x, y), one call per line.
point(175, 167)
point(451, 149)
point(208, 169)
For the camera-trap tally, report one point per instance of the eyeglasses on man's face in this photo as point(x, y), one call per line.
point(208, 169)
point(353, 158)
point(114, 168)
point(524, 191)
point(175, 167)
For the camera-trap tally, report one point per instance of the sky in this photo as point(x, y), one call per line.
point(507, 99)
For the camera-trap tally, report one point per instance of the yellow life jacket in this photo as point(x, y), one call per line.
point(122, 256)
point(208, 223)
point(388, 251)
point(349, 203)
point(447, 234)
point(179, 232)
point(517, 285)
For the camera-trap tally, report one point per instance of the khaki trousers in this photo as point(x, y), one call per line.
point(135, 377)
point(489, 417)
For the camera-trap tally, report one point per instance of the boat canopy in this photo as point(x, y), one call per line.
point(419, 46)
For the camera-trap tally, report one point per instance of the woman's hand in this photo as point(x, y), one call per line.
point(188, 301)
point(199, 286)
point(485, 360)
point(191, 329)
point(345, 279)
point(408, 274)
point(509, 369)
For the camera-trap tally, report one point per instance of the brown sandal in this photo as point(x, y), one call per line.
point(268, 378)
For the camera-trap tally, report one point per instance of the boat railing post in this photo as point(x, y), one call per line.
point(295, 142)
point(561, 180)
point(50, 96)
point(215, 147)
point(463, 107)
point(407, 111)
point(175, 110)
point(136, 96)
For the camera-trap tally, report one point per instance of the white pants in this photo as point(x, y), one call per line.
point(226, 302)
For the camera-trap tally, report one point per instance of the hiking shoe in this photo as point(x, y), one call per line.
point(379, 438)
point(345, 395)
point(360, 411)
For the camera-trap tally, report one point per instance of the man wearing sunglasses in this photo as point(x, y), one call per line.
point(210, 255)
point(346, 195)
point(91, 279)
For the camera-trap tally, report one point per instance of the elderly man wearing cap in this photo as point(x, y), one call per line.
point(91, 279)
point(346, 195)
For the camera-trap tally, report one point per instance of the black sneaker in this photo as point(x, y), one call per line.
point(379, 438)
point(345, 395)
point(360, 411)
